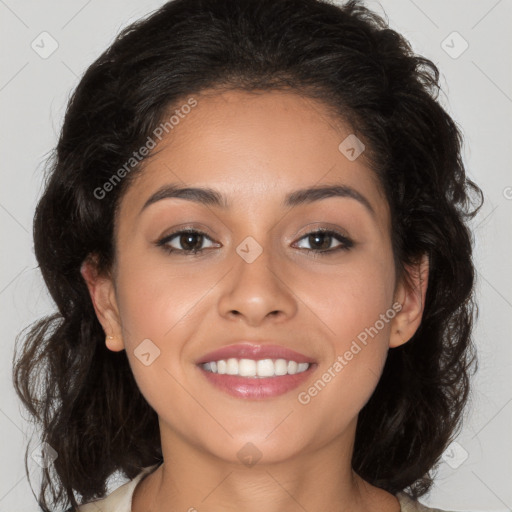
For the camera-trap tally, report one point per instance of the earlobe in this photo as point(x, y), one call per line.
point(411, 293)
point(113, 343)
point(101, 291)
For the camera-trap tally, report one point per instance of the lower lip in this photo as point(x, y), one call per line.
point(257, 388)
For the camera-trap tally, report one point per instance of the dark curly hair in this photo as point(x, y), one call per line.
point(346, 56)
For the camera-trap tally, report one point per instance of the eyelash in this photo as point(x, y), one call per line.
point(346, 243)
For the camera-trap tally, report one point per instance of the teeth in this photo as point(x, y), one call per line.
point(221, 367)
point(255, 369)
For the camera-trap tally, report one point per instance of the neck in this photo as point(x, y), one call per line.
point(321, 479)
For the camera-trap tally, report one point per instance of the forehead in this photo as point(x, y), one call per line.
point(254, 147)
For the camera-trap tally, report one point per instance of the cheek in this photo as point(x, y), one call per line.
point(155, 331)
point(159, 307)
point(350, 297)
point(157, 298)
point(353, 305)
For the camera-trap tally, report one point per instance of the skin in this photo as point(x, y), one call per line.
point(255, 149)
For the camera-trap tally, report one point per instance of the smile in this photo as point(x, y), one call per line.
point(251, 379)
point(251, 368)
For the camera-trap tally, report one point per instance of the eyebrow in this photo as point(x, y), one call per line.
point(211, 197)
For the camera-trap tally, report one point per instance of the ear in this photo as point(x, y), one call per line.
point(411, 294)
point(102, 292)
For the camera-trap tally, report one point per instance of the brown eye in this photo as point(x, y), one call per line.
point(321, 241)
point(190, 241)
point(185, 241)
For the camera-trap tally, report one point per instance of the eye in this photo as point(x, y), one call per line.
point(321, 241)
point(190, 242)
point(185, 241)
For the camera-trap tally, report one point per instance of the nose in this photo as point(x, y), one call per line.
point(257, 292)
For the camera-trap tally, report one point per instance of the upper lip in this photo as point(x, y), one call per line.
point(247, 350)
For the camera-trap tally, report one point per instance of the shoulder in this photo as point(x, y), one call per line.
point(407, 504)
point(119, 500)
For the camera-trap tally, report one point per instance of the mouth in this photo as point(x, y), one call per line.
point(256, 371)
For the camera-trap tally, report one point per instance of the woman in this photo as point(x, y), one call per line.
point(254, 230)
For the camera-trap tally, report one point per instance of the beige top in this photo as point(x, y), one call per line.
point(120, 500)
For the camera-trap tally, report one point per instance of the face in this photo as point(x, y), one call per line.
point(263, 273)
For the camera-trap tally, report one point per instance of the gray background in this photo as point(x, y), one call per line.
point(477, 84)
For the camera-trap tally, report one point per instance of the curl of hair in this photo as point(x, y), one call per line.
point(84, 395)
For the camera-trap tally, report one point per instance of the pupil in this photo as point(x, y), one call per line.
point(188, 239)
point(323, 238)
